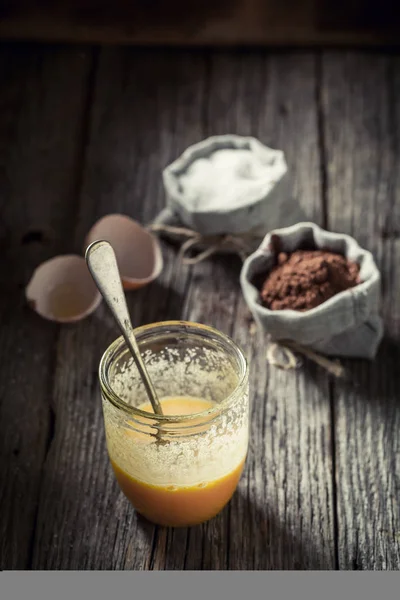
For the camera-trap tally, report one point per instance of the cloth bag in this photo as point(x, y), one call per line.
point(265, 200)
point(348, 324)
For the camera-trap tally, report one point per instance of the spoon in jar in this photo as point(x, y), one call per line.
point(102, 263)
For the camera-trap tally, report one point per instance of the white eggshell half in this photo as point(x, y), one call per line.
point(62, 289)
point(138, 252)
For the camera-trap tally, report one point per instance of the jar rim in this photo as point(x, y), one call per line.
point(193, 329)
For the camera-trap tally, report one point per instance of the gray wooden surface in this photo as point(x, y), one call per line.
point(86, 131)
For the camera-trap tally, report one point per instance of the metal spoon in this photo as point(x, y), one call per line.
point(102, 264)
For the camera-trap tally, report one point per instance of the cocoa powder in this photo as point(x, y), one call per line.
point(307, 278)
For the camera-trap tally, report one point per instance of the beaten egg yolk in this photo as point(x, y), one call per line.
point(179, 505)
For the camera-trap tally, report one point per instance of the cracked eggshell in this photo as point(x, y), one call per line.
point(61, 289)
point(138, 252)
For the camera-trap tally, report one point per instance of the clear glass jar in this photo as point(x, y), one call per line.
point(177, 470)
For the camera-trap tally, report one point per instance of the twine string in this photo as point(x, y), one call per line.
point(238, 243)
point(288, 348)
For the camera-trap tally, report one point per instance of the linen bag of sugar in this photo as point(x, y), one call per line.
point(230, 186)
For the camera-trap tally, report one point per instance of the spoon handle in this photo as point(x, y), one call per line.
point(102, 264)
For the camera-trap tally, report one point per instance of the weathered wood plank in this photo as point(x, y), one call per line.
point(282, 515)
point(40, 147)
point(362, 148)
point(138, 125)
point(148, 107)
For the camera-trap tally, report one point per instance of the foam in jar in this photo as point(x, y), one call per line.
point(182, 468)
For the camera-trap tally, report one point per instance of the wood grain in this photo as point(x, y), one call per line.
point(87, 132)
point(137, 126)
point(40, 136)
point(282, 515)
point(147, 108)
point(362, 150)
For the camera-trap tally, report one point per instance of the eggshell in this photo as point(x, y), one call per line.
point(138, 252)
point(62, 289)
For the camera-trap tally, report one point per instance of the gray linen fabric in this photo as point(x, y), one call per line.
point(272, 206)
point(347, 325)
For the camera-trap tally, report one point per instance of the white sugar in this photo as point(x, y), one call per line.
point(229, 178)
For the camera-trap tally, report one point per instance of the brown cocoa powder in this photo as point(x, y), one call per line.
point(307, 278)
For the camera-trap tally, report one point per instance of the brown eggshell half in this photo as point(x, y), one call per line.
point(138, 252)
point(62, 289)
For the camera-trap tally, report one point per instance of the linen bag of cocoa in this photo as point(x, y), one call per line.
point(315, 289)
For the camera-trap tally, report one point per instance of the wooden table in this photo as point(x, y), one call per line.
point(86, 131)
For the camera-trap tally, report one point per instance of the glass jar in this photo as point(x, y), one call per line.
point(177, 469)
